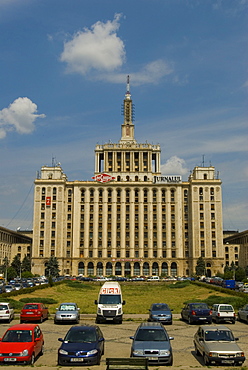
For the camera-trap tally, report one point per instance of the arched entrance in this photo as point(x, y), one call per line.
point(136, 268)
point(90, 269)
point(155, 268)
point(127, 269)
point(81, 268)
point(118, 269)
point(146, 269)
point(173, 269)
point(109, 268)
point(164, 270)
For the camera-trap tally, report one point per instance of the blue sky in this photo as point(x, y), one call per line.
point(63, 68)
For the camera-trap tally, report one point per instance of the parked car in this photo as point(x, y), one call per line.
point(18, 286)
point(223, 312)
point(6, 311)
point(34, 312)
point(160, 312)
point(153, 278)
point(81, 345)
point(21, 344)
point(218, 346)
point(243, 313)
point(151, 341)
point(67, 312)
point(9, 288)
point(196, 312)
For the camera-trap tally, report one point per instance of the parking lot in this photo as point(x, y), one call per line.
point(118, 343)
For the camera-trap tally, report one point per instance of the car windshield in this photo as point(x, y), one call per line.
point(80, 336)
point(226, 308)
point(151, 335)
point(199, 305)
point(18, 336)
point(219, 335)
point(31, 307)
point(110, 299)
point(160, 307)
point(3, 307)
point(67, 307)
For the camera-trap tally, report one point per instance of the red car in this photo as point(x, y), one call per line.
point(21, 344)
point(34, 312)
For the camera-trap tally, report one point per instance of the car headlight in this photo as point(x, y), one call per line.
point(138, 352)
point(119, 311)
point(99, 310)
point(92, 352)
point(63, 352)
point(164, 352)
point(24, 353)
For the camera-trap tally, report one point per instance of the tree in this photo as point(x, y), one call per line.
point(200, 267)
point(26, 264)
point(16, 264)
point(11, 273)
point(240, 274)
point(52, 267)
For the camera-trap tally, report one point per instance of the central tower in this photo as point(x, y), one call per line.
point(128, 160)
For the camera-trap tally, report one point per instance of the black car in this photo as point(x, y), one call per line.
point(82, 345)
point(197, 312)
point(160, 312)
point(151, 341)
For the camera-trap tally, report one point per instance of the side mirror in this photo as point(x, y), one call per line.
point(200, 339)
point(78, 309)
point(172, 309)
point(131, 338)
point(101, 340)
point(124, 302)
point(171, 338)
point(60, 339)
point(96, 302)
point(236, 339)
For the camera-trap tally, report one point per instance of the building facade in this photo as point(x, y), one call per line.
point(130, 219)
point(236, 249)
point(14, 243)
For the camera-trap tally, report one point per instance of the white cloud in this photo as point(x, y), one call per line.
point(152, 73)
point(98, 53)
point(98, 48)
point(174, 166)
point(20, 115)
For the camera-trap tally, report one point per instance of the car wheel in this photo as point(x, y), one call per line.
point(98, 359)
point(41, 319)
point(60, 363)
point(31, 361)
point(233, 321)
point(42, 349)
point(190, 321)
point(210, 322)
point(170, 363)
point(206, 360)
point(217, 320)
point(197, 351)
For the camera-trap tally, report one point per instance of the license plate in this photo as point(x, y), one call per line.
point(77, 359)
point(152, 358)
point(227, 361)
point(202, 318)
point(29, 313)
point(109, 319)
point(9, 359)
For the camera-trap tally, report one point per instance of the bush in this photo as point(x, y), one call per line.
point(77, 284)
point(39, 300)
point(180, 284)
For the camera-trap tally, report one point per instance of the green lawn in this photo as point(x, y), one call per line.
point(138, 296)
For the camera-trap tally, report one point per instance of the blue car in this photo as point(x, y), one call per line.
point(160, 312)
point(82, 345)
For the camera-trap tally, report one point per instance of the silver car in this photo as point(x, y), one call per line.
point(151, 341)
point(67, 312)
point(243, 313)
point(218, 346)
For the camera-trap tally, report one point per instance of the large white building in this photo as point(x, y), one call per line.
point(130, 219)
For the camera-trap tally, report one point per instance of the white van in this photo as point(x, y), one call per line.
point(109, 303)
point(223, 312)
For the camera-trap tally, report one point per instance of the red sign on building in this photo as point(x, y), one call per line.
point(48, 201)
